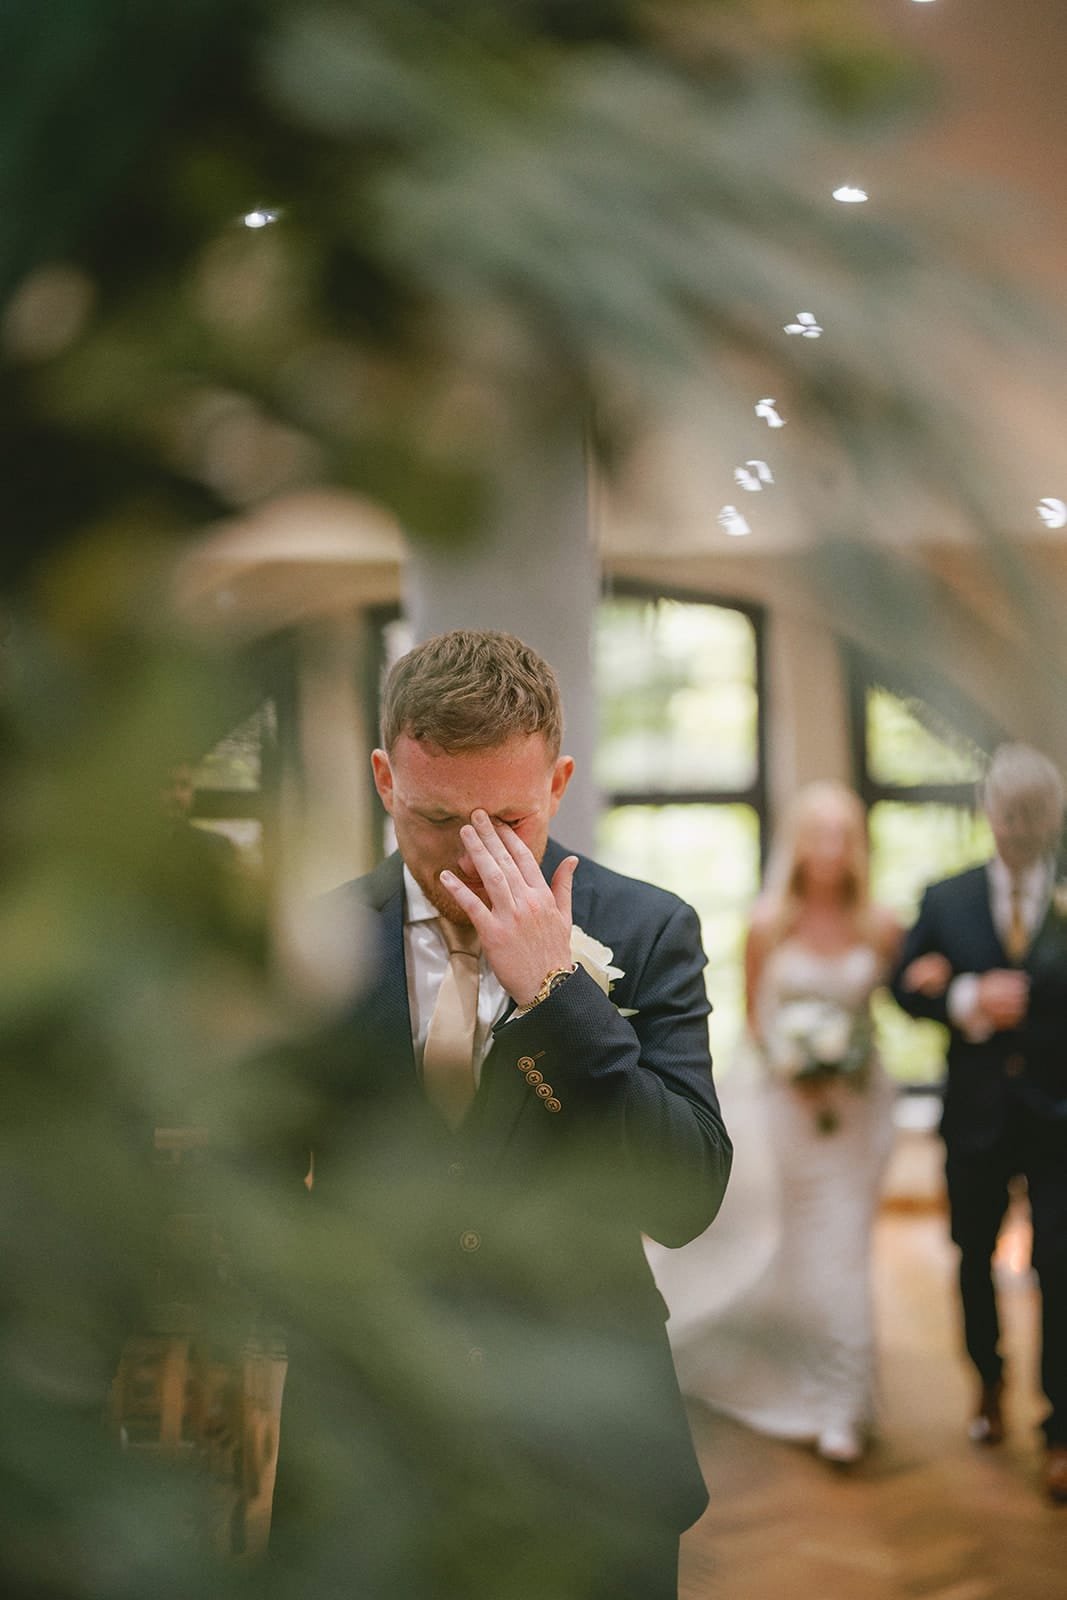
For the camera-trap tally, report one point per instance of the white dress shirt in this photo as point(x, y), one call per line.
point(426, 960)
point(1034, 886)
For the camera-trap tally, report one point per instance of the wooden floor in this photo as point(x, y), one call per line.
point(928, 1515)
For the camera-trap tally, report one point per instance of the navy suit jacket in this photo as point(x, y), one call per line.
point(521, 1232)
point(1024, 1066)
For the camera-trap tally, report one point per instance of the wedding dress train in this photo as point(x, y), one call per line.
point(771, 1317)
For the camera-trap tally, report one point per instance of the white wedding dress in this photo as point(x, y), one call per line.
point(771, 1316)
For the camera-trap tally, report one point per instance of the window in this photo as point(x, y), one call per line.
point(679, 762)
point(231, 782)
point(917, 775)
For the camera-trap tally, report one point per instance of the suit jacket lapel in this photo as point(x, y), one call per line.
point(984, 913)
point(1049, 924)
point(383, 892)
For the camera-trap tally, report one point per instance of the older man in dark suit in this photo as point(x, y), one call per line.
point(529, 1070)
point(988, 957)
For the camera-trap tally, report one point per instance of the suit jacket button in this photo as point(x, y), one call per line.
point(1015, 1065)
point(544, 1090)
point(535, 1077)
point(552, 1104)
point(456, 1169)
point(470, 1240)
point(475, 1356)
point(524, 1063)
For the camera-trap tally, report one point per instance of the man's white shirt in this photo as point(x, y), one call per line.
point(426, 960)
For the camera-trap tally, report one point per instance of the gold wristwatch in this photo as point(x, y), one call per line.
point(551, 981)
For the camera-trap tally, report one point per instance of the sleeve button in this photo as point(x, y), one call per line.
point(552, 1104)
point(524, 1063)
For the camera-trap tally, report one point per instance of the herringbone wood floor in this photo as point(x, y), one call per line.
point(928, 1515)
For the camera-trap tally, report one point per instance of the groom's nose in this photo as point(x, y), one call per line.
point(465, 868)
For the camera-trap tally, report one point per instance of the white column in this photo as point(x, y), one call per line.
point(535, 574)
point(808, 698)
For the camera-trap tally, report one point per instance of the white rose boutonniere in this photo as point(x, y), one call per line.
point(596, 958)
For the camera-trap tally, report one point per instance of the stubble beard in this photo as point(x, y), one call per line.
point(442, 901)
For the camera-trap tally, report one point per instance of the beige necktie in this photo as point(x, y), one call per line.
point(448, 1056)
point(1018, 938)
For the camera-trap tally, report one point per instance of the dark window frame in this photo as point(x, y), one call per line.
point(754, 794)
point(272, 668)
point(864, 672)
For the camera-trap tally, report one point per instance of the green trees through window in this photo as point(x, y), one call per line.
point(918, 779)
point(679, 764)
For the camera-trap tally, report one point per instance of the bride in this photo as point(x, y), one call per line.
point(785, 1342)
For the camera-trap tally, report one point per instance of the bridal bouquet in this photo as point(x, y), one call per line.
point(817, 1039)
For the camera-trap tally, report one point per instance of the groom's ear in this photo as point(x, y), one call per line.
point(383, 778)
point(561, 776)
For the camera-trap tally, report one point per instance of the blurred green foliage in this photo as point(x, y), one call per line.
point(489, 215)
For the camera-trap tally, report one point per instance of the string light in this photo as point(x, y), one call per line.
point(1053, 513)
point(753, 481)
point(806, 325)
point(766, 409)
point(261, 217)
point(732, 522)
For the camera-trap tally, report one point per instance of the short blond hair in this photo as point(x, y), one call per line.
point(471, 690)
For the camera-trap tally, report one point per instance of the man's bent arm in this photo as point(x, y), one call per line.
point(638, 1087)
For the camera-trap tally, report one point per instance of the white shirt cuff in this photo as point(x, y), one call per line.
point(961, 1002)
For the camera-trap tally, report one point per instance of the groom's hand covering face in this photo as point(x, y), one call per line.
point(472, 826)
point(432, 794)
point(525, 929)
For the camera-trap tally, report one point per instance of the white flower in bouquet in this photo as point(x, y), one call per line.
point(831, 1037)
point(817, 1038)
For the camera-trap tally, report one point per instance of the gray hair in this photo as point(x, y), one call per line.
point(1018, 773)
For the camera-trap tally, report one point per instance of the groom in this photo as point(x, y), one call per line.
point(988, 957)
point(528, 1078)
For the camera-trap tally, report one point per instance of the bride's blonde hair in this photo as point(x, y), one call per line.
point(783, 891)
